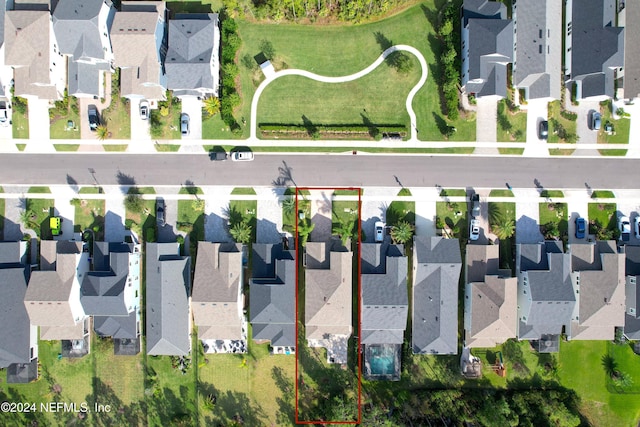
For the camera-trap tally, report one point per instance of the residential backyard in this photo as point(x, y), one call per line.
point(343, 50)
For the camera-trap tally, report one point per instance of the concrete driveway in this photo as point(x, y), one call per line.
point(486, 123)
point(139, 127)
point(537, 111)
point(585, 134)
point(628, 205)
point(192, 106)
point(577, 206)
point(375, 202)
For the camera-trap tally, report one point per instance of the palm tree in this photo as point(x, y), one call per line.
point(402, 232)
point(289, 205)
point(241, 232)
point(26, 217)
point(345, 229)
point(504, 227)
point(102, 132)
point(211, 106)
point(305, 227)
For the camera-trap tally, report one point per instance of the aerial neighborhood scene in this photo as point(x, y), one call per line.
point(277, 213)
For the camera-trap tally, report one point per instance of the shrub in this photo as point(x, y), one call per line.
point(569, 115)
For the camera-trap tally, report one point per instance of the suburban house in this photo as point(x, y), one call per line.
point(537, 62)
point(632, 293)
point(30, 48)
point(217, 300)
point(546, 298)
point(385, 308)
point(328, 296)
point(597, 273)
point(168, 290)
point(594, 48)
point(81, 28)
point(18, 338)
point(487, 48)
point(111, 294)
point(138, 39)
point(490, 300)
point(53, 296)
point(436, 271)
point(631, 78)
point(192, 63)
point(273, 292)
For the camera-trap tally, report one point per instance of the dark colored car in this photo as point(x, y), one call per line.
point(94, 118)
point(543, 129)
point(475, 205)
point(160, 212)
point(218, 155)
point(581, 228)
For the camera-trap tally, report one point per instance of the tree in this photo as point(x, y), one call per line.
point(133, 203)
point(211, 106)
point(402, 232)
point(305, 227)
point(102, 132)
point(241, 232)
point(551, 230)
point(289, 205)
point(504, 227)
point(27, 217)
point(267, 49)
point(345, 229)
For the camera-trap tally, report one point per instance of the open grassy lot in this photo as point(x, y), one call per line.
point(258, 386)
point(343, 50)
point(377, 99)
point(554, 214)
point(581, 368)
point(89, 216)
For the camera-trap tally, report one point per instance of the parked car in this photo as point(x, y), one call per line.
point(94, 118)
point(5, 120)
point(184, 124)
point(218, 155)
point(242, 156)
point(144, 110)
point(636, 226)
point(543, 129)
point(596, 120)
point(55, 225)
point(475, 205)
point(160, 212)
point(379, 231)
point(581, 227)
point(474, 229)
point(625, 228)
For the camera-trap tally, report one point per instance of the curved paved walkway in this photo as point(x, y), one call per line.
point(343, 79)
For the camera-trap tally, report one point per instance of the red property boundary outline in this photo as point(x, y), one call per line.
point(358, 421)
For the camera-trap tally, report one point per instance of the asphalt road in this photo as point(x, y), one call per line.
point(318, 170)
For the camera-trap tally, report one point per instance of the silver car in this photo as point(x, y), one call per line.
point(184, 124)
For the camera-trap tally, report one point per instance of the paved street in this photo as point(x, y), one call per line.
point(320, 170)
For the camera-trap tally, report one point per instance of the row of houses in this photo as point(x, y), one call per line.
point(584, 293)
point(71, 44)
point(587, 53)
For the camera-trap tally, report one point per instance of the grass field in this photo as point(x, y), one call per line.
point(605, 213)
point(314, 48)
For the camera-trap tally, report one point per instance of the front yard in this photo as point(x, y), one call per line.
point(512, 123)
point(65, 119)
point(502, 223)
point(603, 220)
point(553, 220)
point(619, 133)
point(165, 120)
point(89, 216)
point(562, 128)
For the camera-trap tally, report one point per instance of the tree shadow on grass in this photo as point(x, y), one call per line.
point(118, 413)
point(371, 127)
point(311, 129)
point(382, 41)
point(284, 383)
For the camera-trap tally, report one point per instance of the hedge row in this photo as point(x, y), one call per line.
point(402, 130)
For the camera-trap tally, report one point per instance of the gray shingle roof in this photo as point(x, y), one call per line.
point(190, 51)
point(385, 303)
point(538, 57)
point(76, 26)
point(596, 45)
point(632, 50)
point(15, 332)
point(483, 9)
point(117, 327)
point(549, 286)
point(102, 290)
point(168, 286)
point(490, 49)
point(437, 264)
point(272, 302)
point(84, 78)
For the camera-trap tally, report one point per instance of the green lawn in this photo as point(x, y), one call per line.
point(89, 215)
point(404, 192)
point(399, 211)
point(39, 190)
point(286, 100)
point(90, 190)
point(555, 213)
point(191, 217)
point(167, 126)
point(115, 147)
point(215, 128)
point(569, 125)
point(621, 126)
point(581, 369)
point(167, 148)
point(140, 222)
point(551, 193)
point(66, 147)
point(117, 116)
point(244, 210)
point(511, 151)
point(39, 221)
point(343, 210)
point(247, 191)
point(602, 194)
point(512, 125)
point(20, 124)
point(59, 128)
point(605, 214)
point(453, 192)
point(503, 211)
point(501, 193)
point(314, 48)
point(190, 189)
point(289, 216)
point(452, 217)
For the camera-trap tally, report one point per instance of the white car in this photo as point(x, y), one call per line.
point(144, 110)
point(242, 156)
point(625, 228)
point(636, 226)
point(5, 120)
point(474, 229)
point(379, 234)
